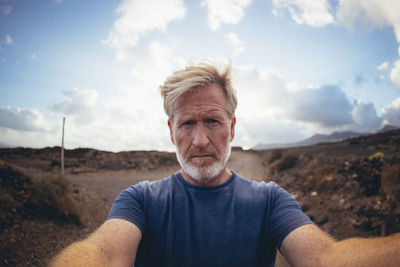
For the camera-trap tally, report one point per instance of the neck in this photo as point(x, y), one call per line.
point(220, 179)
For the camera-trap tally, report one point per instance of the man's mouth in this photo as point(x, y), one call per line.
point(203, 156)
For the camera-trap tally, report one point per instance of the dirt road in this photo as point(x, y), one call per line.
point(247, 164)
point(104, 186)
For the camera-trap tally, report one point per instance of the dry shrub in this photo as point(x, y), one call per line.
point(51, 197)
point(377, 155)
point(325, 180)
point(286, 162)
point(319, 175)
point(274, 156)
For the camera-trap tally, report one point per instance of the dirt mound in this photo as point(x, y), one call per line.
point(14, 195)
point(351, 188)
point(350, 201)
point(86, 159)
point(26, 206)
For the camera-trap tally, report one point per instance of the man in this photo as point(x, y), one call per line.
point(206, 215)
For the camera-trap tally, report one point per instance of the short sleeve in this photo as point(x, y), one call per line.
point(130, 206)
point(286, 215)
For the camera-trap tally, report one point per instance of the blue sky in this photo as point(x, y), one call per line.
point(300, 67)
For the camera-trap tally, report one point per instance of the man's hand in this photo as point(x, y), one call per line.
point(115, 243)
point(310, 246)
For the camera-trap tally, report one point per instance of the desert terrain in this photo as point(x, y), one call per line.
point(348, 188)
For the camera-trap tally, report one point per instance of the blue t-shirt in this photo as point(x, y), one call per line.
point(238, 223)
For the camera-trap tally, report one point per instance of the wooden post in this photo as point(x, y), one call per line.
point(62, 149)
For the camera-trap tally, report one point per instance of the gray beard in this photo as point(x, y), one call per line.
point(204, 174)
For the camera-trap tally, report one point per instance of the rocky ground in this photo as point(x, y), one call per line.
point(350, 188)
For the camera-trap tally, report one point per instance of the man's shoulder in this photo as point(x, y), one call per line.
point(149, 186)
point(256, 185)
point(261, 190)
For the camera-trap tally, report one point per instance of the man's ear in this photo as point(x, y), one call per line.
point(233, 123)
point(171, 133)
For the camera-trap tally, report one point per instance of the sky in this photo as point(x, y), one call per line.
point(300, 67)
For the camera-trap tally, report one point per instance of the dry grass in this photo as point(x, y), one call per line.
point(320, 175)
point(51, 197)
point(274, 156)
point(285, 162)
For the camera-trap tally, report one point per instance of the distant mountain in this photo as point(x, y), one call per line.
point(313, 140)
point(2, 145)
point(333, 137)
point(322, 138)
point(387, 128)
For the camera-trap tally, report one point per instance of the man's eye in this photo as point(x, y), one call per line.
point(188, 123)
point(212, 121)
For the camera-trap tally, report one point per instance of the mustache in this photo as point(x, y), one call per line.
point(201, 152)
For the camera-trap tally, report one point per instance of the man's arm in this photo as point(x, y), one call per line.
point(115, 243)
point(310, 246)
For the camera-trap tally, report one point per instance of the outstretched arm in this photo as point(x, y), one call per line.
point(115, 243)
point(310, 246)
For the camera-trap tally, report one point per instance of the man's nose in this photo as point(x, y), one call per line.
point(200, 138)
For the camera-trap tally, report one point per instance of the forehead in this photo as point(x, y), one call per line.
point(210, 98)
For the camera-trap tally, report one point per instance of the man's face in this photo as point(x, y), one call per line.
point(202, 132)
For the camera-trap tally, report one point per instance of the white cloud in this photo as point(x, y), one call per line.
point(365, 117)
point(260, 91)
point(366, 14)
point(233, 40)
point(6, 10)
point(77, 104)
point(134, 119)
point(251, 131)
point(262, 99)
point(395, 72)
point(155, 65)
point(272, 110)
point(326, 106)
point(369, 14)
point(391, 113)
point(131, 119)
point(22, 119)
point(384, 66)
point(138, 17)
point(33, 139)
point(224, 11)
point(136, 112)
point(315, 13)
point(266, 100)
point(8, 40)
